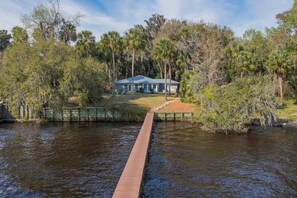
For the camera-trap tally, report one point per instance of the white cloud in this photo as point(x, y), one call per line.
point(260, 15)
point(92, 19)
point(119, 15)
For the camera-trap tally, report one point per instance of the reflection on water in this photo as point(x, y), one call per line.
point(63, 159)
point(186, 162)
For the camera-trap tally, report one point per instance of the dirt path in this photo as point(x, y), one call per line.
point(178, 106)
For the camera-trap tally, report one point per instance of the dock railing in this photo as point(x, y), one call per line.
point(173, 116)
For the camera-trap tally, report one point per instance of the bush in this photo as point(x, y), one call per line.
point(235, 106)
point(185, 89)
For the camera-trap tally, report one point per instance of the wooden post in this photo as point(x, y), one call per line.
point(79, 114)
point(112, 113)
point(96, 114)
point(70, 115)
point(105, 114)
point(62, 115)
point(1, 112)
point(173, 116)
point(88, 114)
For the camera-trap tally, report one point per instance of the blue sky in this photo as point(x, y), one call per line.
point(101, 16)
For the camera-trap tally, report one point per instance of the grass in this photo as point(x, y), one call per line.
point(133, 107)
point(288, 111)
point(147, 101)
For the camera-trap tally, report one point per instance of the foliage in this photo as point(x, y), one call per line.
point(46, 74)
point(51, 22)
point(185, 87)
point(4, 39)
point(164, 51)
point(291, 85)
point(134, 41)
point(19, 35)
point(41, 68)
point(279, 62)
point(85, 45)
point(112, 42)
point(234, 106)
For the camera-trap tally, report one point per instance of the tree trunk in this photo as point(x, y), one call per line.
point(133, 53)
point(161, 74)
point(170, 76)
point(280, 84)
point(126, 73)
point(0, 59)
point(113, 74)
point(116, 71)
point(165, 74)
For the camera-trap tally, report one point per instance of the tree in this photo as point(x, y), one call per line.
point(280, 63)
point(238, 59)
point(47, 73)
point(233, 108)
point(134, 41)
point(4, 39)
point(152, 27)
point(4, 42)
point(164, 51)
point(51, 22)
point(288, 19)
point(112, 41)
point(67, 32)
point(258, 47)
point(85, 44)
point(19, 35)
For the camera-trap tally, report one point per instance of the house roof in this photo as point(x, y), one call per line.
point(146, 80)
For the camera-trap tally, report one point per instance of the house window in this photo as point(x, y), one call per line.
point(154, 86)
point(125, 86)
point(145, 86)
point(136, 86)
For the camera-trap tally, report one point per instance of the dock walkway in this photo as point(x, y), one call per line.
point(129, 184)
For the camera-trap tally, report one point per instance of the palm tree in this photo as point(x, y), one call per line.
point(134, 40)
point(68, 32)
point(85, 44)
point(19, 35)
point(164, 51)
point(112, 41)
point(280, 63)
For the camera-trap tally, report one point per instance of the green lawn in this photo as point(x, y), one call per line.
point(288, 112)
point(132, 106)
point(143, 100)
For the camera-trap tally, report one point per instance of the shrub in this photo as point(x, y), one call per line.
point(235, 106)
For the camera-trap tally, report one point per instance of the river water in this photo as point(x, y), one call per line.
point(63, 159)
point(186, 162)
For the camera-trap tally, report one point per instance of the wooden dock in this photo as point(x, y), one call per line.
point(173, 116)
point(86, 114)
point(130, 182)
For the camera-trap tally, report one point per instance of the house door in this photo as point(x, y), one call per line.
point(129, 87)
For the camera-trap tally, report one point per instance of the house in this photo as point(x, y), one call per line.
point(149, 85)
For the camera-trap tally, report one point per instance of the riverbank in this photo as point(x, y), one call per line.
point(133, 107)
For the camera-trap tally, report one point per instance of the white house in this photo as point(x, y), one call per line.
point(148, 84)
